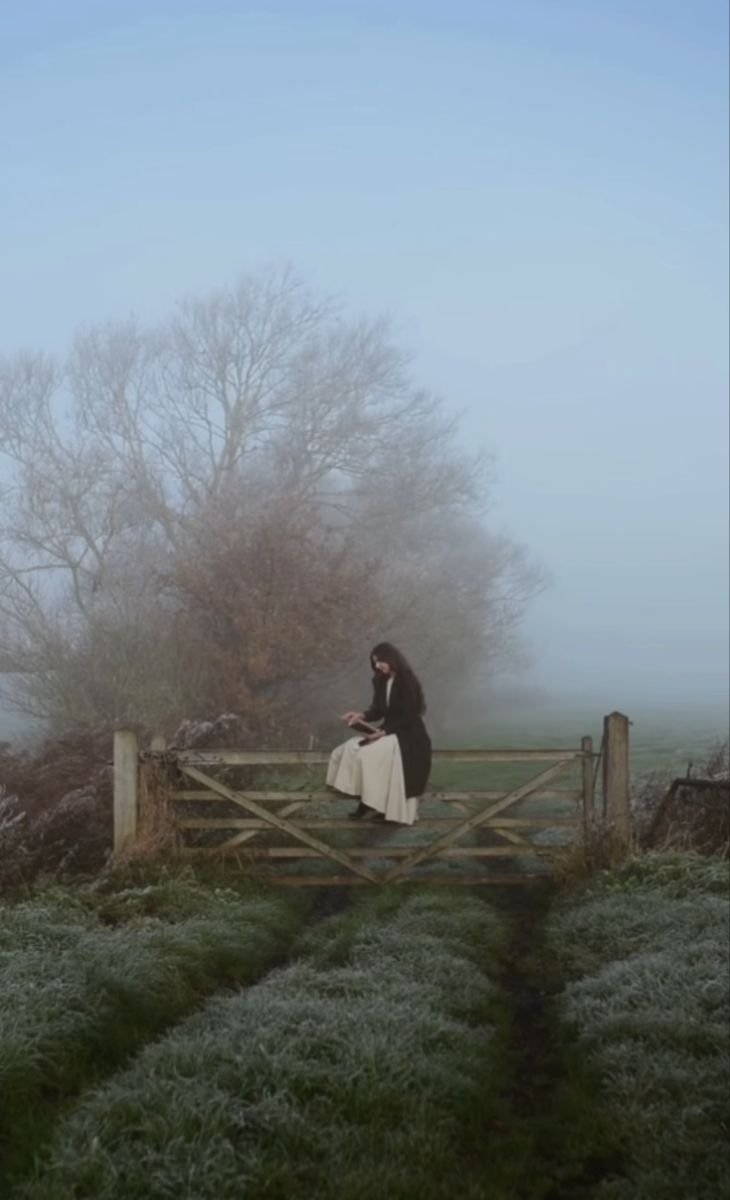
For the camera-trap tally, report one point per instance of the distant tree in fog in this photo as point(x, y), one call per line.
point(222, 511)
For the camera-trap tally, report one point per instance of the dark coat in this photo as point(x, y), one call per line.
point(402, 718)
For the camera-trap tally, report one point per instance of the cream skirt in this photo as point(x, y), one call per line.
point(375, 774)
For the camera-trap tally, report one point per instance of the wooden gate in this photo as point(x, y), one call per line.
point(480, 827)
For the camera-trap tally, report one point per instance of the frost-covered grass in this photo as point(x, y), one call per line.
point(88, 975)
point(645, 949)
point(360, 1071)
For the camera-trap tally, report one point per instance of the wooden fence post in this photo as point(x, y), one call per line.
point(616, 778)
point(156, 827)
point(586, 746)
point(126, 787)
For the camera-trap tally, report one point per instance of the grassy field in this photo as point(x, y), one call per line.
point(662, 738)
point(643, 956)
point(355, 1071)
point(89, 974)
point(170, 1034)
point(167, 1035)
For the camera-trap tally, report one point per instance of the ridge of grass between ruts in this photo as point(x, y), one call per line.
point(360, 1070)
point(378, 1063)
point(644, 950)
point(89, 974)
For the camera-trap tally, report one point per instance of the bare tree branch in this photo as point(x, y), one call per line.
point(151, 455)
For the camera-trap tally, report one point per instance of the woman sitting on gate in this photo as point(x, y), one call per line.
point(387, 769)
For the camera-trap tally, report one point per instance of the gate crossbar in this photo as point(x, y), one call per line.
point(279, 822)
point(239, 839)
point(473, 822)
point(401, 870)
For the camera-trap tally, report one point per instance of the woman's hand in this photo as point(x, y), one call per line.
point(350, 717)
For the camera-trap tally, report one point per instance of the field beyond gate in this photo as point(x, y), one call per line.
point(270, 808)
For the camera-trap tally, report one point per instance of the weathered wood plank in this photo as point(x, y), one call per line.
point(616, 777)
point(253, 758)
point(505, 834)
point(443, 823)
point(126, 789)
point(474, 796)
point(586, 746)
point(557, 794)
point(241, 838)
point(380, 851)
point(544, 755)
point(456, 801)
point(278, 822)
point(473, 822)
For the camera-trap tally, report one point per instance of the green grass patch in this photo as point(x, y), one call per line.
point(645, 952)
point(362, 1070)
point(662, 738)
point(89, 975)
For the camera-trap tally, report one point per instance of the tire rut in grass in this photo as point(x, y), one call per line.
point(16, 1159)
point(329, 902)
point(551, 1095)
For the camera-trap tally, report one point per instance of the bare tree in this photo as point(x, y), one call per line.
point(136, 470)
point(271, 601)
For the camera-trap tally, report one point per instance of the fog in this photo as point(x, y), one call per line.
point(536, 193)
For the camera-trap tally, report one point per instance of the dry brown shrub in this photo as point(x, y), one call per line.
point(56, 803)
point(58, 807)
point(598, 848)
point(157, 834)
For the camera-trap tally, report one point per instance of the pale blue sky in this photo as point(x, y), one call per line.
point(535, 189)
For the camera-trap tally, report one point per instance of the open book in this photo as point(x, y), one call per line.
point(363, 727)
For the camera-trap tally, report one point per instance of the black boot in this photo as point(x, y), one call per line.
point(362, 810)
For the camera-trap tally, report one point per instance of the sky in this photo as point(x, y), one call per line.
point(535, 190)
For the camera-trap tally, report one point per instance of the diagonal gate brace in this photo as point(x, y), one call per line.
point(474, 821)
point(273, 819)
point(513, 838)
point(239, 839)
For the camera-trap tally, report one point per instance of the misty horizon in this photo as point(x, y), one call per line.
point(539, 202)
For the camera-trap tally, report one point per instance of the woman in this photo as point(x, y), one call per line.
point(389, 768)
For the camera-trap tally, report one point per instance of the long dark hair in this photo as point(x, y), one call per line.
point(399, 665)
